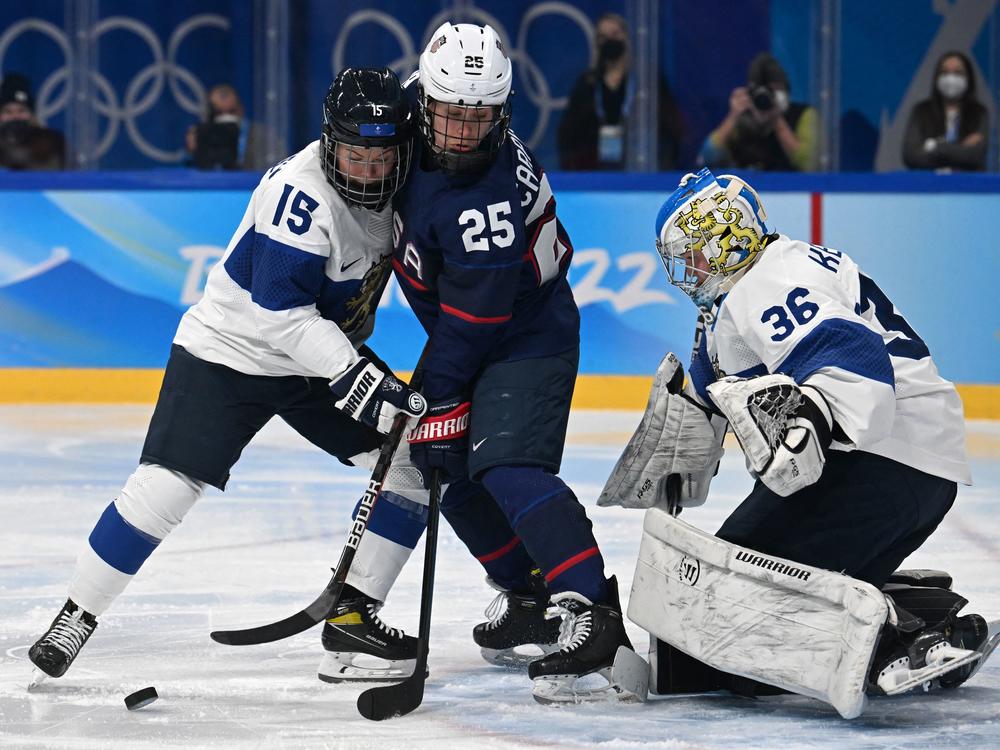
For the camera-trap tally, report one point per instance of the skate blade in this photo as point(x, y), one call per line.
point(627, 681)
point(984, 651)
point(37, 678)
point(510, 658)
point(341, 667)
point(901, 682)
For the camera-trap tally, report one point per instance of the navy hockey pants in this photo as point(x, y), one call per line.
point(864, 516)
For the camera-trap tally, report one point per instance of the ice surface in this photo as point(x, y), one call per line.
point(262, 549)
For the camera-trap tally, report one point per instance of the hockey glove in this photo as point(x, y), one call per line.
point(374, 397)
point(440, 441)
point(784, 429)
point(674, 453)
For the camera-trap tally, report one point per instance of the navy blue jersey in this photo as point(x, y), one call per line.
point(482, 261)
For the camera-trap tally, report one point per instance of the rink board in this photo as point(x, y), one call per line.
point(95, 277)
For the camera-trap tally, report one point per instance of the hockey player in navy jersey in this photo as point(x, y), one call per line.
point(482, 259)
point(279, 331)
point(856, 443)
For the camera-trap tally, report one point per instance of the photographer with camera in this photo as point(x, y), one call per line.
point(25, 144)
point(227, 139)
point(764, 129)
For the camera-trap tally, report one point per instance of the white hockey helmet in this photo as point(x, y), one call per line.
point(465, 66)
point(709, 232)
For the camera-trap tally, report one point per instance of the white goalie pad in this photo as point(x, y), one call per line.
point(675, 436)
point(783, 623)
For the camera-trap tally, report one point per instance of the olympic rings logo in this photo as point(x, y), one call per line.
point(142, 92)
point(533, 82)
point(147, 86)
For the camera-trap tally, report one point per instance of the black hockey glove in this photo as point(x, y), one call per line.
point(374, 397)
point(441, 440)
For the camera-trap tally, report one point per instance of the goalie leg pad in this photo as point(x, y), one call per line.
point(783, 623)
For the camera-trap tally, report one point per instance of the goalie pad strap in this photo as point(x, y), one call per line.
point(783, 623)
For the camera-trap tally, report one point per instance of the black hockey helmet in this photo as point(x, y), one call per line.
point(367, 121)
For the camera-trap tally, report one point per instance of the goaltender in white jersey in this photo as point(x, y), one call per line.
point(856, 444)
point(808, 312)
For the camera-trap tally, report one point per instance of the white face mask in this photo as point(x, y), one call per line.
point(951, 85)
point(781, 100)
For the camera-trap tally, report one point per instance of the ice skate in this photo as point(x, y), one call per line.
point(520, 633)
point(596, 661)
point(55, 651)
point(361, 648)
point(937, 659)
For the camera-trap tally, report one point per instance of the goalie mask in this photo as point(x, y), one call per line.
point(709, 232)
point(367, 136)
point(464, 90)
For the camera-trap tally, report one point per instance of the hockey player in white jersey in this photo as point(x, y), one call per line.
point(279, 331)
point(856, 443)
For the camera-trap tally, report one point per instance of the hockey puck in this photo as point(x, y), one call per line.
point(140, 698)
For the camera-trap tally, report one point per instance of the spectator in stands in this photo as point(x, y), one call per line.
point(593, 131)
point(227, 139)
point(949, 130)
point(764, 128)
point(24, 142)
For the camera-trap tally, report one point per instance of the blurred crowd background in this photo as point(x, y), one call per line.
point(635, 85)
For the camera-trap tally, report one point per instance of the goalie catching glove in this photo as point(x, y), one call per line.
point(374, 397)
point(674, 453)
point(784, 429)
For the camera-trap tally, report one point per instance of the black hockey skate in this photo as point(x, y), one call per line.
point(594, 642)
point(55, 651)
point(968, 632)
point(520, 633)
point(944, 657)
point(361, 648)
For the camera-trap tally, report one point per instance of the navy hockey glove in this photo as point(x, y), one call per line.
point(374, 397)
point(441, 439)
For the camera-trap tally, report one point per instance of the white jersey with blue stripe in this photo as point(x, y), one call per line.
point(809, 312)
point(296, 290)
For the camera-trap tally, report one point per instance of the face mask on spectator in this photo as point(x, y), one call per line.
point(611, 50)
point(951, 85)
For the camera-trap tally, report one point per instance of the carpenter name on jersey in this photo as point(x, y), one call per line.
point(482, 261)
point(297, 288)
point(810, 313)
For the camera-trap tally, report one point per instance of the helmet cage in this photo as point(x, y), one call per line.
point(464, 153)
point(357, 159)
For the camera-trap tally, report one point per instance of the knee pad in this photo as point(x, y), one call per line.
point(155, 499)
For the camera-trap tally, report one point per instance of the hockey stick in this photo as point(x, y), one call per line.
point(323, 606)
point(399, 699)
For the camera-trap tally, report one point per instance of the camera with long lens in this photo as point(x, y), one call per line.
point(218, 143)
point(762, 98)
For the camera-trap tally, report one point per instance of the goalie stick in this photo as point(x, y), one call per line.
point(388, 701)
point(324, 604)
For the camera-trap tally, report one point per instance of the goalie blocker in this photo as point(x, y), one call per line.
point(711, 605)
